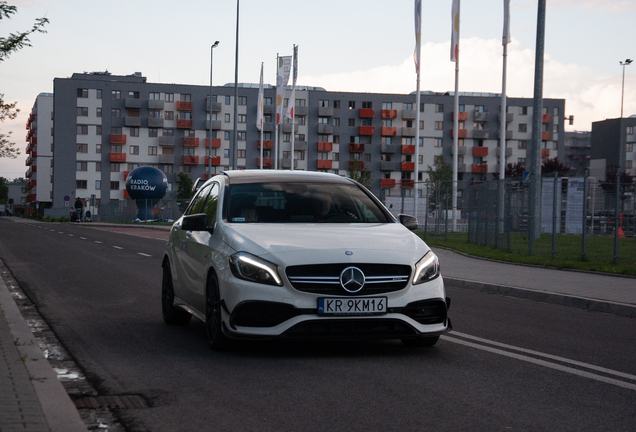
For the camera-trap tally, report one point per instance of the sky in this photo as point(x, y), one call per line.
point(344, 45)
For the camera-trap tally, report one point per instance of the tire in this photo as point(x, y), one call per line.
point(421, 342)
point(171, 314)
point(213, 323)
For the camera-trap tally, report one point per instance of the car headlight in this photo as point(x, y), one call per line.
point(252, 268)
point(426, 269)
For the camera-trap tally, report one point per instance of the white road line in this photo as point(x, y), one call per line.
point(61, 232)
point(117, 247)
point(96, 241)
point(71, 235)
point(143, 254)
point(544, 363)
point(83, 238)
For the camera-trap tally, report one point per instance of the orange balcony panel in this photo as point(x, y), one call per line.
point(389, 114)
point(407, 184)
point(367, 112)
point(126, 174)
point(33, 183)
point(356, 165)
point(356, 148)
point(34, 140)
point(191, 160)
point(216, 160)
point(480, 151)
point(118, 157)
point(34, 168)
point(323, 164)
point(388, 131)
point(545, 153)
point(483, 168)
point(184, 106)
point(545, 136)
point(408, 166)
point(267, 144)
point(462, 116)
point(387, 183)
point(547, 118)
point(184, 124)
point(325, 146)
point(365, 130)
point(126, 196)
point(117, 139)
point(267, 162)
point(28, 162)
point(408, 149)
point(461, 133)
point(216, 142)
point(190, 142)
point(30, 198)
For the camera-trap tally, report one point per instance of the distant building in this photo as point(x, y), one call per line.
point(40, 150)
point(577, 152)
point(17, 194)
point(614, 143)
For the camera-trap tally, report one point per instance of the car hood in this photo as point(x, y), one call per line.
point(323, 243)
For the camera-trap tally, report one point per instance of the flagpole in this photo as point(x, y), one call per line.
point(276, 119)
point(418, 24)
point(456, 121)
point(260, 107)
point(293, 107)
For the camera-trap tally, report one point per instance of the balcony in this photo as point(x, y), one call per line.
point(155, 104)
point(325, 129)
point(388, 148)
point(356, 148)
point(461, 133)
point(286, 163)
point(461, 150)
point(268, 127)
point(388, 131)
point(365, 130)
point(215, 161)
point(480, 151)
point(132, 103)
point(407, 184)
point(268, 109)
point(184, 124)
point(480, 134)
point(213, 124)
point(267, 162)
point(30, 197)
point(184, 106)
point(480, 169)
point(546, 118)
point(191, 160)
point(190, 142)
point(387, 183)
point(480, 116)
point(216, 142)
point(545, 153)
point(117, 139)
point(462, 116)
point(389, 165)
point(155, 122)
point(325, 146)
point(325, 112)
point(287, 127)
point(126, 174)
point(301, 145)
point(132, 121)
point(168, 141)
point(323, 164)
point(389, 114)
point(366, 113)
point(408, 131)
point(407, 166)
point(409, 114)
point(301, 111)
point(408, 149)
point(164, 159)
point(545, 136)
point(508, 134)
point(355, 165)
point(267, 144)
point(216, 106)
point(118, 157)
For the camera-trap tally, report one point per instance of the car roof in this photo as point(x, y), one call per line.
point(259, 176)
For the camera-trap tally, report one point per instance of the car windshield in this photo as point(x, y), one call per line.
point(285, 202)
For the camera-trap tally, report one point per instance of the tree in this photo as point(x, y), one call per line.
point(185, 188)
point(358, 172)
point(609, 185)
point(8, 45)
point(553, 165)
point(4, 190)
point(513, 170)
point(441, 172)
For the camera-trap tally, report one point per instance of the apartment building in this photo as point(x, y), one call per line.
point(614, 143)
point(107, 125)
point(39, 150)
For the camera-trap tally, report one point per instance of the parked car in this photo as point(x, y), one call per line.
point(300, 255)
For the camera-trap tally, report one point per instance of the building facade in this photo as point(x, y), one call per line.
point(40, 150)
point(614, 143)
point(105, 126)
point(577, 152)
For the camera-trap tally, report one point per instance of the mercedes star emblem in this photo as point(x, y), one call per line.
point(352, 279)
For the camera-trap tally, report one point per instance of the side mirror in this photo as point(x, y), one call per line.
point(409, 221)
point(195, 222)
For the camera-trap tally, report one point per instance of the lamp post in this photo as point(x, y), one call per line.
point(625, 63)
point(210, 135)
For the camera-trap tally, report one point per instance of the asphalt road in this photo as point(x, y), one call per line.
point(509, 364)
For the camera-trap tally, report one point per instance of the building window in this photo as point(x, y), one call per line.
point(186, 98)
point(628, 164)
point(240, 153)
point(82, 112)
point(420, 159)
point(227, 100)
point(98, 166)
point(167, 169)
point(98, 112)
point(82, 93)
point(154, 96)
point(438, 142)
point(81, 148)
point(352, 122)
point(241, 136)
point(421, 124)
point(98, 148)
point(227, 118)
point(169, 115)
point(323, 103)
point(98, 184)
point(336, 104)
point(189, 133)
point(335, 121)
point(521, 161)
point(82, 129)
point(286, 137)
point(302, 120)
point(439, 108)
point(242, 118)
point(115, 167)
point(268, 101)
point(523, 127)
point(523, 110)
point(134, 150)
point(522, 145)
point(367, 105)
point(115, 95)
point(352, 105)
point(81, 166)
point(115, 113)
point(226, 135)
point(132, 166)
point(439, 125)
point(152, 150)
point(80, 184)
point(153, 132)
point(114, 185)
point(387, 105)
point(168, 132)
point(480, 108)
point(630, 147)
point(242, 100)
point(115, 148)
point(630, 130)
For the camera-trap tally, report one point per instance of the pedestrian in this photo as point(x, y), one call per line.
point(79, 206)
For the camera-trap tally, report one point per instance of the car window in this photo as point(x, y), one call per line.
point(211, 202)
point(196, 205)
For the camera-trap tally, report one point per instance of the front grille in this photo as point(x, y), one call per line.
point(324, 279)
point(380, 328)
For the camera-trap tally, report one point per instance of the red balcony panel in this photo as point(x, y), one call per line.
point(365, 130)
point(356, 165)
point(407, 184)
point(388, 131)
point(118, 157)
point(29, 161)
point(216, 142)
point(356, 148)
point(267, 144)
point(34, 154)
point(408, 166)
point(34, 168)
point(323, 164)
point(461, 133)
point(389, 114)
point(545, 153)
point(267, 162)
point(34, 140)
point(367, 112)
point(462, 116)
point(191, 160)
point(184, 124)
point(483, 168)
point(32, 183)
point(216, 160)
point(126, 174)
point(546, 118)
point(408, 149)
point(325, 146)
point(545, 136)
point(126, 196)
point(184, 106)
point(480, 151)
point(117, 139)
point(190, 142)
point(30, 198)
point(387, 183)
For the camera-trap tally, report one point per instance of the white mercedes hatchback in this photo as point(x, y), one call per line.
point(300, 255)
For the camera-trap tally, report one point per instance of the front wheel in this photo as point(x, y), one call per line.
point(421, 342)
point(171, 314)
point(213, 324)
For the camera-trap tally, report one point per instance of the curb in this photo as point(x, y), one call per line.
point(585, 303)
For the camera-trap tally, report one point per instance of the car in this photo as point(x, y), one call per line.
point(263, 254)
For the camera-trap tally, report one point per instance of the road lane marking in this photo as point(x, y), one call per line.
point(96, 241)
point(547, 364)
point(143, 254)
point(117, 247)
point(83, 238)
point(71, 235)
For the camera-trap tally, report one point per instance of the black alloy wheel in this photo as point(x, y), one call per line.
point(213, 325)
point(171, 314)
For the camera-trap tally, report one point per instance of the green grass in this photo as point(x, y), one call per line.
point(569, 249)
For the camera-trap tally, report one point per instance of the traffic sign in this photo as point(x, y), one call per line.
point(526, 177)
point(66, 197)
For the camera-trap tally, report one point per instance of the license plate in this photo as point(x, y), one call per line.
point(352, 306)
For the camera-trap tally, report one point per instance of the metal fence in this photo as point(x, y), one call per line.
point(127, 210)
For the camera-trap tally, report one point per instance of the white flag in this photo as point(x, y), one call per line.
point(455, 31)
point(282, 78)
point(418, 29)
point(259, 108)
point(292, 102)
point(506, 28)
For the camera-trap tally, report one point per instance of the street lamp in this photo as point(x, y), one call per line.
point(625, 63)
point(210, 136)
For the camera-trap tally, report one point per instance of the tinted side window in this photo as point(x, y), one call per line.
point(210, 205)
point(196, 205)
